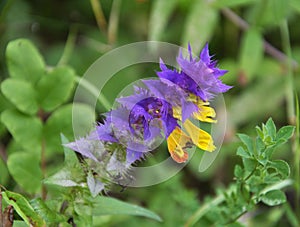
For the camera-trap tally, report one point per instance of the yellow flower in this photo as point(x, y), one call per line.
point(178, 140)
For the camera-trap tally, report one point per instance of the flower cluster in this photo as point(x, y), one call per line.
point(162, 109)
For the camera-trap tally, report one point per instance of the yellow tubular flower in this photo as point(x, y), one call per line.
point(200, 138)
point(177, 142)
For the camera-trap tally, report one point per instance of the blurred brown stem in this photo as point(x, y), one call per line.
point(242, 24)
point(43, 167)
point(97, 9)
point(113, 21)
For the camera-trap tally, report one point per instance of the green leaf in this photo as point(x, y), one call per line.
point(41, 208)
point(55, 87)
point(259, 145)
point(24, 61)
point(232, 3)
point(23, 208)
point(66, 177)
point(249, 164)
point(63, 121)
point(251, 52)
point(20, 224)
point(160, 13)
point(26, 130)
point(243, 153)
point(271, 128)
point(199, 25)
point(282, 167)
point(21, 94)
point(295, 4)
point(273, 198)
point(110, 206)
point(25, 169)
point(238, 171)
point(279, 9)
point(247, 141)
point(285, 133)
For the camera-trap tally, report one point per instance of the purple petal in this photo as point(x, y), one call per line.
point(84, 147)
point(132, 156)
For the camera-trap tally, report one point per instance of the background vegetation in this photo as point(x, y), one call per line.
point(258, 41)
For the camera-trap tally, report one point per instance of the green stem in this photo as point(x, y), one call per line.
point(289, 79)
point(113, 21)
point(94, 91)
point(69, 46)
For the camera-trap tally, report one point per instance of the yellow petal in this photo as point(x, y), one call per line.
point(177, 112)
point(200, 138)
point(177, 142)
point(205, 114)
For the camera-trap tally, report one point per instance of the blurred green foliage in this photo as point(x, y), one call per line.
point(66, 38)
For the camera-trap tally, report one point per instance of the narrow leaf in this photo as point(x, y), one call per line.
point(111, 206)
point(232, 3)
point(23, 208)
point(41, 208)
point(21, 94)
point(199, 25)
point(251, 52)
point(160, 13)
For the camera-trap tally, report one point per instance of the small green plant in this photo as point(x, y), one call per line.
point(260, 178)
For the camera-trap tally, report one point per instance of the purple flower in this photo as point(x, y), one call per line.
point(173, 94)
point(148, 114)
point(199, 77)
